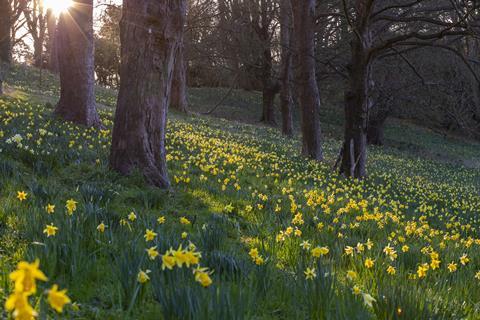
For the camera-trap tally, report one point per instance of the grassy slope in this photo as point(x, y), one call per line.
point(417, 194)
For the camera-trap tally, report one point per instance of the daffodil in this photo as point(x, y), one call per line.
point(464, 259)
point(319, 251)
point(391, 270)
point(452, 267)
point(26, 275)
point(18, 303)
point(50, 230)
point(71, 206)
point(150, 235)
point(101, 227)
point(168, 261)
point(477, 275)
point(22, 195)
point(305, 245)
point(184, 221)
point(349, 251)
point(58, 299)
point(202, 275)
point(351, 275)
point(152, 253)
point(142, 276)
point(356, 290)
point(368, 299)
point(310, 273)
point(422, 270)
point(50, 208)
point(369, 263)
point(132, 216)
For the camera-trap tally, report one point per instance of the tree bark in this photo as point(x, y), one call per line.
point(376, 128)
point(306, 83)
point(150, 33)
point(262, 23)
point(270, 87)
point(286, 100)
point(5, 40)
point(76, 65)
point(52, 42)
point(179, 84)
point(357, 97)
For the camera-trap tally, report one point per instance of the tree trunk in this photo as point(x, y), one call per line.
point(376, 128)
point(268, 102)
point(306, 83)
point(52, 42)
point(76, 65)
point(5, 40)
point(270, 86)
point(179, 84)
point(150, 33)
point(357, 99)
point(286, 100)
point(38, 53)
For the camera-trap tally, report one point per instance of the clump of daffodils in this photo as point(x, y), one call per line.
point(188, 257)
point(25, 285)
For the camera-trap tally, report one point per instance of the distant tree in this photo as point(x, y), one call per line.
point(179, 84)
point(76, 65)
point(5, 39)
point(107, 47)
point(246, 34)
point(150, 33)
point(52, 51)
point(36, 22)
point(286, 100)
point(390, 28)
point(18, 22)
point(263, 15)
point(305, 79)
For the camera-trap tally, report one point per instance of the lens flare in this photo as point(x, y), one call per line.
point(57, 6)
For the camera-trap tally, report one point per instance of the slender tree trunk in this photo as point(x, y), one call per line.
point(270, 87)
point(306, 83)
point(5, 40)
point(76, 65)
point(52, 42)
point(38, 53)
point(357, 99)
point(179, 84)
point(150, 33)
point(286, 100)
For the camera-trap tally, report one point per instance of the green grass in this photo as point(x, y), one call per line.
point(241, 185)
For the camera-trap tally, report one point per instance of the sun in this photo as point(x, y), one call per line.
point(57, 6)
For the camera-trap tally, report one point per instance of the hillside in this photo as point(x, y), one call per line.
point(402, 244)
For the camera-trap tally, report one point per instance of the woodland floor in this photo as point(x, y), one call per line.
point(241, 186)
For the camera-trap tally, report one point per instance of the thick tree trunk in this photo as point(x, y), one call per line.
point(357, 100)
point(5, 40)
point(306, 83)
point(76, 65)
point(286, 100)
point(179, 84)
point(150, 33)
point(52, 42)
